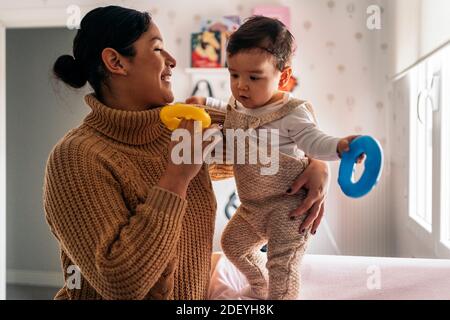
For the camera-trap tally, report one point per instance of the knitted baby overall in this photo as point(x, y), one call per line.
point(263, 216)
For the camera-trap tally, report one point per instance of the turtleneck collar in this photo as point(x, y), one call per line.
point(130, 127)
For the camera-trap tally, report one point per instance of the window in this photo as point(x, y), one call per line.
point(445, 147)
point(429, 188)
point(421, 145)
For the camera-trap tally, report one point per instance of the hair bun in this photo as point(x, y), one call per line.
point(69, 71)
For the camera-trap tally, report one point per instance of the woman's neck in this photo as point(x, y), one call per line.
point(122, 101)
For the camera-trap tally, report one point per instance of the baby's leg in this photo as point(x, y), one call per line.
point(286, 248)
point(241, 244)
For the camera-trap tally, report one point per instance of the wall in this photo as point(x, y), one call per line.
point(2, 164)
point(342, 70)
point(341, 67)
point(435, 24)
point(403, 33)
point(416, 28)
point(36, 119)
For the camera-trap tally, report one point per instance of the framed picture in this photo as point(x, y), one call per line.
point(206, 50)
point(278, 12)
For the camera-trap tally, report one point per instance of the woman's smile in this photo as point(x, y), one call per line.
point(166, 77)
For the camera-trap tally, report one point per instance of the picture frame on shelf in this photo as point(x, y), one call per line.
point(206, 49)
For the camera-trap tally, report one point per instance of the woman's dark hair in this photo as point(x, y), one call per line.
point(105, 27)
point(264, 33)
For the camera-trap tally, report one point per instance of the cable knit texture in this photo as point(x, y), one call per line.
point(128, 238)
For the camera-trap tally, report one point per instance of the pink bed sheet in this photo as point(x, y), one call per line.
point(344, 278)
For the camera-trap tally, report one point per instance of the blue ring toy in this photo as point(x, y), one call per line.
point(372, 171)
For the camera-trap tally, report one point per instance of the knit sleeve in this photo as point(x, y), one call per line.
point(217, 116)
point(219, 172)
point(216, 104)
point(120, 250)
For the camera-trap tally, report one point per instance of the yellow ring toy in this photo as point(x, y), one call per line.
point(171, 115)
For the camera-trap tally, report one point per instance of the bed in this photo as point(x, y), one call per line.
point(345, 277)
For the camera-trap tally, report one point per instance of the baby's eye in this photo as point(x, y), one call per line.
point(158, 49)
point(235, 76)
point(254, 78)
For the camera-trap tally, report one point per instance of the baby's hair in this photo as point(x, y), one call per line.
point(268, 34)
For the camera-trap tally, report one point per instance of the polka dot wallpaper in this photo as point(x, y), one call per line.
point(341, 66)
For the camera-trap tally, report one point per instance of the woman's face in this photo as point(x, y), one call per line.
point(150, 70)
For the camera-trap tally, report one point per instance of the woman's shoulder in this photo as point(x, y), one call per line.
point(217, 116)
point(80, 143)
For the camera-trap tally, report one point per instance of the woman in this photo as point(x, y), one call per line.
point(136, 225)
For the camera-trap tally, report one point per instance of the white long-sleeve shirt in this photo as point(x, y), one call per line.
point(298, 133)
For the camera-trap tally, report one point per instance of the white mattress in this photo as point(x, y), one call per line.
point(343, 277)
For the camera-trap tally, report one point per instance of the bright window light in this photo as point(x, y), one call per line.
point(445, 147)
point(421, 150)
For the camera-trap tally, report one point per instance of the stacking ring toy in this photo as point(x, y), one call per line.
point(372, 171)
point(171, 115)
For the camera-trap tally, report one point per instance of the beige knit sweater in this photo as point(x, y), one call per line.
point(129, 238)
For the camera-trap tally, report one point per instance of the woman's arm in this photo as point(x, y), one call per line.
point(219, 171)
point(315, 179)
point(121, 249)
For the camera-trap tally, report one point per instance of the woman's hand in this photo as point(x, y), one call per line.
point(315, 179)
point(196, 100)
point(177, 177)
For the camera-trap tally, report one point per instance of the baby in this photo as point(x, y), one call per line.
point(259, 55)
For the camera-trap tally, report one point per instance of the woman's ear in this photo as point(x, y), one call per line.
point(114, 62)
point(286, 75)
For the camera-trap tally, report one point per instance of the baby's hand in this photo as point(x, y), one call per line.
point(344, 146)
point(196, 100)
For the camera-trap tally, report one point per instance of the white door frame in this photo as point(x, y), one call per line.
point(2, 162)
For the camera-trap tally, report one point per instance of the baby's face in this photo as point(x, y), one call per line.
point(254, 78)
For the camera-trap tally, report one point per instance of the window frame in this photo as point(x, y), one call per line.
point(435, 236)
